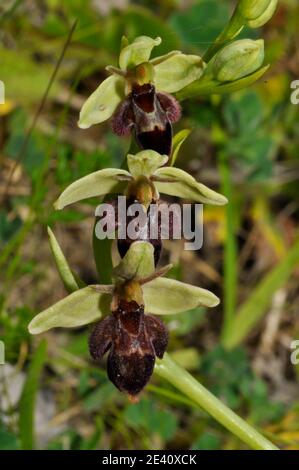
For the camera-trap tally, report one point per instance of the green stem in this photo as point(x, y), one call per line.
point(183, 381)
point(102, 257)
point(230, 273)
point(206, 87)
point(233, 28)
point(102, 248)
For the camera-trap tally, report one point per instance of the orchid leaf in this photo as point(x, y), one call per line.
point(70, 280)
point(79, 308)
point(177, 142)
point(102, 103)
point(96, 184)
point(168, 296)
point(102, 256)
point(186, 187)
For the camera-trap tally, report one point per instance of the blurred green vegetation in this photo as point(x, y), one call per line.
point(51, 395)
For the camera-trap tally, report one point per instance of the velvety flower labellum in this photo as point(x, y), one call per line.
point(134, 340)
point(149, 114)
point(151, 228)
point(142, 233)
point(155, 228)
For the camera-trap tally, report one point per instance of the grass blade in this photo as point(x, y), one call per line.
point(253, 310)
point(28, 397)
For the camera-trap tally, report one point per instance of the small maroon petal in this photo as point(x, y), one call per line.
point(170, 106)
point(158, 334)
point(123, 119)
point(130, 372)
point(100, 339)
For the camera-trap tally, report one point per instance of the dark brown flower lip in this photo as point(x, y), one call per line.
point(144, 97)
point(134, 340)
point(143, 233)
point(150, 114)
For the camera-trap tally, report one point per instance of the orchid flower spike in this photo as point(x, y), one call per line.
point(133, 338)
point(137, 93)
point(146, 179)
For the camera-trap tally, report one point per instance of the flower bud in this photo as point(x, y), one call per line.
point(257, 12)
point(237, 60)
